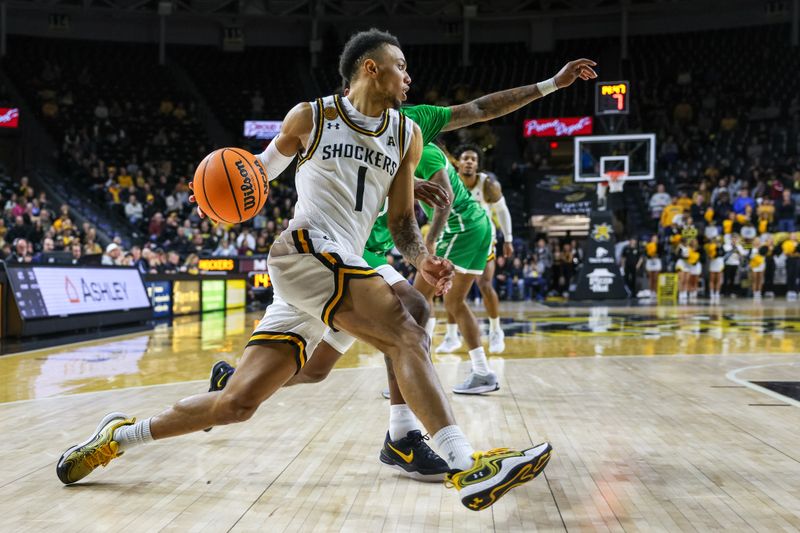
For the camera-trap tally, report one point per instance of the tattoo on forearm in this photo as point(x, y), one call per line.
point(408, 238)
point(493, 105)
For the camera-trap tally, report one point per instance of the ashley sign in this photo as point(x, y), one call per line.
point(557, 127)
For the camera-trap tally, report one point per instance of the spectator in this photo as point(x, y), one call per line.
point(631, 262)
point(659, 201)
point(517, 275)
point(76, 253)
point(101, 111)
point(156, 226)
point(245, 242)
point(19, 230)
point(173, 264)
point(48, 246)
point(21, 253)
point(225, 249)
point(112, 255)
point(744, 200)
point(786, 212)
point(134, 210)
point(544, 254)
point(502, 279)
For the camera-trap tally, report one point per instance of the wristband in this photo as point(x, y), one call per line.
point(547, 86)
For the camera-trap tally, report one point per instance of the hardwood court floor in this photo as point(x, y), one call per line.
point(673, 436)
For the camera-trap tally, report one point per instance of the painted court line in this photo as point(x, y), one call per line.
point(732, 376)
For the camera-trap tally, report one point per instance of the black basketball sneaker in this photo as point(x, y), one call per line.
point(413, 457)
point(220, 374)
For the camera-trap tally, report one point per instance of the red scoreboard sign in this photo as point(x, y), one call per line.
point(557, 127)
point(9, 117)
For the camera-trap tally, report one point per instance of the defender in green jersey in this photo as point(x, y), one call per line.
point(465, 237)
point(431, 120)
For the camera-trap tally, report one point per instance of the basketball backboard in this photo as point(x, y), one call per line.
point(633, 155)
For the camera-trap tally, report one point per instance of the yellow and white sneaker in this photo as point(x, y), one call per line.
point(496, 472)
point(98, 450)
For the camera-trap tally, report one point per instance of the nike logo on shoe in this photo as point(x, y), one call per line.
point(406, 457)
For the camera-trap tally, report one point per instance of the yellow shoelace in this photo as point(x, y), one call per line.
point(102, 455)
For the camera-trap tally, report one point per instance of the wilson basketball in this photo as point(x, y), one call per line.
point(230, 185)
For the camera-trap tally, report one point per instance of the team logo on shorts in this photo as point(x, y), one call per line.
point(602, 232)
point(330, 113)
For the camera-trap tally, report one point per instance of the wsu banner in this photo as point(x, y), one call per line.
point(553, 194)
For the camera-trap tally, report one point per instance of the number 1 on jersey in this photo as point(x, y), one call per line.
point(362, 179)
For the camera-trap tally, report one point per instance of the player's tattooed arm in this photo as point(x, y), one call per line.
point(402, 220)
point(440, 214)
point(501, 103)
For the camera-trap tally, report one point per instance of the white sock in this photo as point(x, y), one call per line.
point(430, 326)
point(133, 435)
point(401, 421)
point(453, 446)
point(452, 330)
point(479, 363)
point(494, 323)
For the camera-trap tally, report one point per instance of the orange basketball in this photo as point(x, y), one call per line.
point(230, 185)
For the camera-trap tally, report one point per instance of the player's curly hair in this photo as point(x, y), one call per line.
point(469, 147)
point(360, 47)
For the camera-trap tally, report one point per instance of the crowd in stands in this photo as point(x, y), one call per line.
point(728, 161)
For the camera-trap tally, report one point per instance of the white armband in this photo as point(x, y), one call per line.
point(274, 161)
point(547, 86)
point(504, 218)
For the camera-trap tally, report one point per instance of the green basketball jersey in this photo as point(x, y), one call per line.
point(430, 119)
point(463, 208)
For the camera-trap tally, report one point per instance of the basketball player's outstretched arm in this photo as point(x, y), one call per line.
point(501, 103)
point(403, 226)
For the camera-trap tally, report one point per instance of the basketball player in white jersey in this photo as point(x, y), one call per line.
point(489, 194)
point(354, 152)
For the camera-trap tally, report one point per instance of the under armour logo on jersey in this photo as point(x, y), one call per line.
point(391, 141)
point(332, 125)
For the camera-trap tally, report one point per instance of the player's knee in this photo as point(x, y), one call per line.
point(313, 376)
point(408, 339)
point(233, 408)
point(484, 284)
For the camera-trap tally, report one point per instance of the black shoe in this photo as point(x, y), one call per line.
point(221, 372)
point(413, 457)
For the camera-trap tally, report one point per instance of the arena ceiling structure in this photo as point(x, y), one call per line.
point(412, 9)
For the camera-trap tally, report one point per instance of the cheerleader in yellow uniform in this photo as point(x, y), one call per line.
point(716, 264)
point(652, 265)
point(758, 265)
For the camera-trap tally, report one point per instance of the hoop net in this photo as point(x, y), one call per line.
point(615, 179)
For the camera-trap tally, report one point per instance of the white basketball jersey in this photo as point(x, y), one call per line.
point(345, 173)
point(477, 194)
